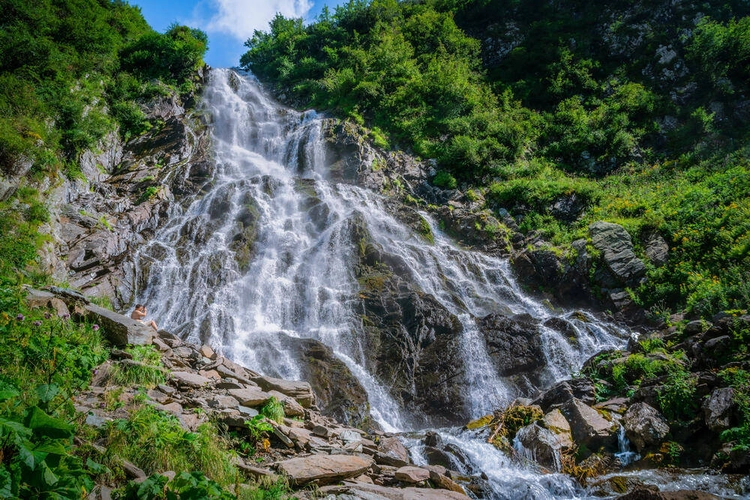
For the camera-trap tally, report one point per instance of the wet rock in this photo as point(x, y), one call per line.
point(589, 427)
point(619, 258)
point(412, 339)
point(323, 469)
point(718, 409)
point(514, 346)
point(556, 423)
point(339, 394)
point(445, 483)
point(644, 426)
point(652, 493)
point(540, 445)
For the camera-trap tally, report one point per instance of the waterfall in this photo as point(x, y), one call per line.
point(266, 255)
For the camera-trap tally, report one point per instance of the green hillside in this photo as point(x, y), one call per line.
point(635, 113)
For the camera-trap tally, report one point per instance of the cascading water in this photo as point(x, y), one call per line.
point(266, 254)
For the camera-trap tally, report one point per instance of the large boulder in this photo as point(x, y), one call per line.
point(556, 423)
point(323, 469)
point(622, 266)
point(540, 445)
point(562, 392)
point(718, 409)
point(644, 426)
point(589, 428)
point(514, 344)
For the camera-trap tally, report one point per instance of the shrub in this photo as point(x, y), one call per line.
point(273, 410)
point(445, 180)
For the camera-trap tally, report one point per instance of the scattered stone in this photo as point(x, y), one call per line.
point(392, 452)
point(132, 471)
point(324, 469)
point(412, 474)
point(250, 396)
point(207, 352)
point(299, 390)
point(190, 379)
point(445, 483)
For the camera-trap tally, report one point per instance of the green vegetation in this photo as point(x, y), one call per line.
point(273, 410)
point(146, 371)
point(566, 117)
point(72, 71)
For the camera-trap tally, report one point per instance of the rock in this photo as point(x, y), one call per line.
point(514, 346)
point(589, 428)
point(539, 445)
point(323, 469)
point(556, 423)
point(392, 452)
point(119, 330)
point(132, 471)
point(363, 491)
point(412, 340)
point(220, 402)
point(718, 409)
point(412, 474)
point(644, 426)
point(250, 396)
point(207, 352)
point(562, 392)
point(338, 393)
point(617, 252)
point(445, 483)
point(299, 390)
point(190, 379)
point(657, 250)
point(695, 327)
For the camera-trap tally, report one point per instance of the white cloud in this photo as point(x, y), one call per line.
point(240, 18)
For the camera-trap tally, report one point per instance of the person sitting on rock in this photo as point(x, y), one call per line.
point(139, 313)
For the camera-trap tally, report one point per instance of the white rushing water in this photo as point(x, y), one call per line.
point(298, 279)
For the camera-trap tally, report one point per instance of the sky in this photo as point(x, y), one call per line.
point(228, 23)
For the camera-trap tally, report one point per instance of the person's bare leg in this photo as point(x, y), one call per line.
point(153, 325)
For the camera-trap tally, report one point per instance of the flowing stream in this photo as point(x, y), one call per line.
point(267, 253)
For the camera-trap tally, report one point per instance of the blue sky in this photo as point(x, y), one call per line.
point(228, 23)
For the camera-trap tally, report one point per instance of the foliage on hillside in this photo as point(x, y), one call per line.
point(632, 112)
point(70, 71)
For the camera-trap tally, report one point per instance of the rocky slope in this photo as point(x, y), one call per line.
point(127, 191)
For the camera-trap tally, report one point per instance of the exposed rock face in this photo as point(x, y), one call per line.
point(339, 393)
point(644, 426)
point(513, 343)
point(412, 339)
point(128, 192)
point(556, 423)
point(622, 266)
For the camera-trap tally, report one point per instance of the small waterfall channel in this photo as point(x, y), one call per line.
point(267, 254)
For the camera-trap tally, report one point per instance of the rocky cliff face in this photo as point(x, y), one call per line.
point(128, 190)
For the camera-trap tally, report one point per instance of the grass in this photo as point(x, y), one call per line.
point(147, 371)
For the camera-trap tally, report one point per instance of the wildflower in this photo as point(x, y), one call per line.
point(37, 323)
point(47, 315)
point(95, 327)
point(20, 317)
point(65, 316)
